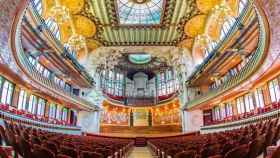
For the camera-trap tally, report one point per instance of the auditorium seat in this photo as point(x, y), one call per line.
point(42, 152)
point(88, 154)
point(25, 147)
point(247, 142)
point(255, 147)
point(238, 152)
point(186, 154)
point(3, 153)
point(62, 156)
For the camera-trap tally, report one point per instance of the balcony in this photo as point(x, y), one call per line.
point(250, 67)
point(44, 83)
point(238, 121)
point(32, 121)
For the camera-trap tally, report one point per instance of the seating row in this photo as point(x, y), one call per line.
point(6, 108)
point(255, 112)
point(246, 142)
point(30, 142)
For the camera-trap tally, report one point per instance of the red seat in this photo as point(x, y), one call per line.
point(87, 154)
point(42, 152)
point(238, 152)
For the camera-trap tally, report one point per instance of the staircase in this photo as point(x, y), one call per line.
point(140, 142)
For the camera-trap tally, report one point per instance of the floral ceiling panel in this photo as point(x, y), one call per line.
point(140, 12)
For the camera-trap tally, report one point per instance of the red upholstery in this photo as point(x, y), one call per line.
point(246, 142)
point(30, 142)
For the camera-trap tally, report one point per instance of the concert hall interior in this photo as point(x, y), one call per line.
point(139, 79)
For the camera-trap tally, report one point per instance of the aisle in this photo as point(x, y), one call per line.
point(140, 152)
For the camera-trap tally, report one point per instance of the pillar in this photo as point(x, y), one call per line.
point(89, 121)
point(193, 120)
point(47, 109)
point(266, 95)
point(234, 107)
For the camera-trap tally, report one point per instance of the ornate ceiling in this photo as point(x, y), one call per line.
point(183, 23)
point(109, 23)
point(166, 29)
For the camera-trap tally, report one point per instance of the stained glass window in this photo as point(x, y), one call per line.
point(41, 107)
point(52, 110)
point(143, 12)
point(22, 99)
point(33, 101)
point(259, 98)
point(7, 92)
point(274, 90)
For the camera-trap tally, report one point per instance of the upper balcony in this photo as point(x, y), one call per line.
point(54, 59)
point(233, 63)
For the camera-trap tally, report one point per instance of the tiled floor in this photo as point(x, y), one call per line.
point(140, 152)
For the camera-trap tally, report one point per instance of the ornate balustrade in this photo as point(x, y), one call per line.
point(227, 37)
point(44, 81)
point(245, 73)
point(267, 113)
point(59, 47)
point(50, 125)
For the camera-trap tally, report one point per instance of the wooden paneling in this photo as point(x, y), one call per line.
point(126, 130)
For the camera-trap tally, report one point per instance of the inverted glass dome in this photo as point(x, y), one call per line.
point(139, 58)
point(140, 12)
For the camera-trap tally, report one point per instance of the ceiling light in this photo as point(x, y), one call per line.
point(60, 13)
point(77, 42)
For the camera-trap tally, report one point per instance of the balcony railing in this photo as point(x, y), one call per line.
point(44, 81)
point(226, 38)
point(60, 48)
point(10, 116)
point(262, 114)
point(245, 72)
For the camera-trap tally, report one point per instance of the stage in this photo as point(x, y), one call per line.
point(140, 131)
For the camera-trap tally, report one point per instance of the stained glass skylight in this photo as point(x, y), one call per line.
point(140, 12)
point(139, 58)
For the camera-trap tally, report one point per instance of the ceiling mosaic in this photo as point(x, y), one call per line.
point(184, 23)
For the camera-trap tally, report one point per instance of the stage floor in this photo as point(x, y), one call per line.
point(144, 131)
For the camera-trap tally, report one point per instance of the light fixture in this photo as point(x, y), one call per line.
point(77, 42)
point(203, 40)
point(60, 13)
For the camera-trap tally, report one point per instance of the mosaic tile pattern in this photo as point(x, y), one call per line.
point(7, 12)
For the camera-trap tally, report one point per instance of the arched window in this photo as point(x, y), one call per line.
point(249, 104)
point(22, 100)
point(240, 105)
point(54, 28)
point(52, 110)
point(58, 112)
point(33, 100)
point(41, 107)
point(7, 92)
point(259, 98)
point(64, 114)
point(216, 113)
point(274, 90)
point(228, 109)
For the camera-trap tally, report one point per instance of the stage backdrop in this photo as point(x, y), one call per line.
point(140, 117)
